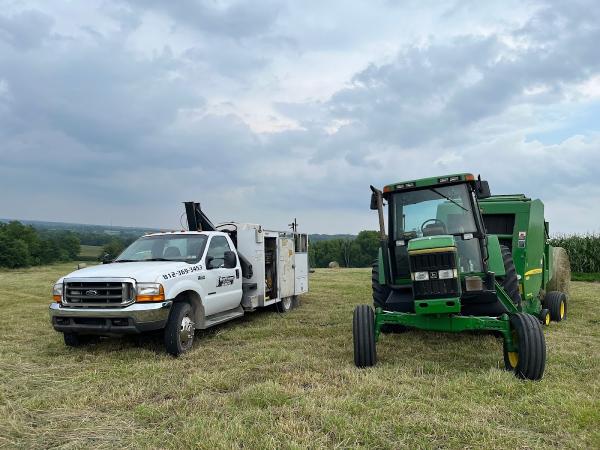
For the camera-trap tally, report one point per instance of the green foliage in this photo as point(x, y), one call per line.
point(112, 249)
point(22, 245)
point(348, 252)
point(583, 251)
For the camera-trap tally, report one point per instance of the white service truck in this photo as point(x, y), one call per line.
point(181, 281)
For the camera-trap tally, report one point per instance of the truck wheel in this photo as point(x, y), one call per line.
point(73, 339)
point(179, 332)
point(284, 305)
point(556, 302)
point(510, 282)
point(363, 331)
point(529, 360)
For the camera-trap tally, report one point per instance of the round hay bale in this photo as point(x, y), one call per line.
point(333, 265)
point(560, 278)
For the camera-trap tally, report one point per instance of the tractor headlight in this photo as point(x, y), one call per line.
point(57, 292)
point(150, 292)
point(420, 276)
point(447, 274)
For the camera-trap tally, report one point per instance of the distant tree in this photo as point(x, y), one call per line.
point(113, 248)
point(13, 253)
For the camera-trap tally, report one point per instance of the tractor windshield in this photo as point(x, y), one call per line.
point(438, 210)
point(433, 211)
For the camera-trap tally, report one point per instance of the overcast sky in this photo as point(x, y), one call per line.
point(263, 110)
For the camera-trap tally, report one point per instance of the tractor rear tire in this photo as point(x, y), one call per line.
point(529, 361)
point(556, 302)
point(380, 295)
point(510, 282)
point(363, 332)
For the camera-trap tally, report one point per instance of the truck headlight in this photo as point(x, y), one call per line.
point(446, 274)
point(57, 292)
point(150, 292)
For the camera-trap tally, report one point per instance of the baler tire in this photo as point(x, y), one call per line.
point(545, 317)
point(510, 281)
point(363, 333)
point(380, 293)
point(556, 302)
point(173, 331)
point(530, 359)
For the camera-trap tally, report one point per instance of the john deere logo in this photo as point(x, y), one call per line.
point(91, 293)
point(433, 275)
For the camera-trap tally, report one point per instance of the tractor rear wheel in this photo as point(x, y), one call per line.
point(556, 302)
point(529, 359)
point(363, 332)
point(380, 295)
point(510, 282)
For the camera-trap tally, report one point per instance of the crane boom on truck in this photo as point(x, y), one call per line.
point(181, 281)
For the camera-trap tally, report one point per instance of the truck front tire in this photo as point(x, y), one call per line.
point(179, 332)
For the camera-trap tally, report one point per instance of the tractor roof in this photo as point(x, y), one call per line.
point(431, 181)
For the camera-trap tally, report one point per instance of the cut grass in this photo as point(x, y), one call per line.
point(288, 381)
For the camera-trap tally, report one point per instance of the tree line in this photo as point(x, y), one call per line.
point(24, 246)
point(359, 251)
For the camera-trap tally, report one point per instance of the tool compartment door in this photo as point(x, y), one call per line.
point(301, 264)
point(286, 267)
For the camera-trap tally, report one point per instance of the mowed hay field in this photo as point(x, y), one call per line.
point(288, 381)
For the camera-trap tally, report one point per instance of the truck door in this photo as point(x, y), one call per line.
point(286, 267)
point(223, 286)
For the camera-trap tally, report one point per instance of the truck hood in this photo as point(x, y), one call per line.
point(149, 271)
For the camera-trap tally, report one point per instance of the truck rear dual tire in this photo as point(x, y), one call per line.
point(179, 332)
point(529, 360)
point(363, 333)
point(285, 305)
point(556, 303)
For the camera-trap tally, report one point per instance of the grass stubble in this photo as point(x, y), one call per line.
point(274, 380)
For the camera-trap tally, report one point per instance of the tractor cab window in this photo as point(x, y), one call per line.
point(439, 210)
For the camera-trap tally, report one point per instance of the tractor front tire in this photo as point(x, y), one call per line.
point(510, 282)
point(529, 361)
point(556, 302)
point(363, 332)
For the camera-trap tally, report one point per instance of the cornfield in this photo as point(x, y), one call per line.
point(583, 250)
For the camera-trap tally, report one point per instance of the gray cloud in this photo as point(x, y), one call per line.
point(93, 125)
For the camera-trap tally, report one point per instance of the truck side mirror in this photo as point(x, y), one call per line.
point(374, 201)
point(482, 189)
point(230, 260)
point(106, 259)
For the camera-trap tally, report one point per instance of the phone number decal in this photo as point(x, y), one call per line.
point(181, 272)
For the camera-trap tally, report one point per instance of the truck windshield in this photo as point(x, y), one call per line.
point(167, 247)
point(432, 211)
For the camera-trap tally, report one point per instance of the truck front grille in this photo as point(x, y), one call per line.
point(95, 293)
point(434, 287)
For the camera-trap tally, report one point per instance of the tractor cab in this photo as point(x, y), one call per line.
point(425, 209)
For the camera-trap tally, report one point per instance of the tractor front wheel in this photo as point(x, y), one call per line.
point(556, 302)
point(529, 359)
point(363, 331)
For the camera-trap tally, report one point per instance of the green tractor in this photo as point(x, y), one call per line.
point(454, 258)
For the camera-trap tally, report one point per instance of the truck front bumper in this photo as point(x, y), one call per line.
point(135, 318)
